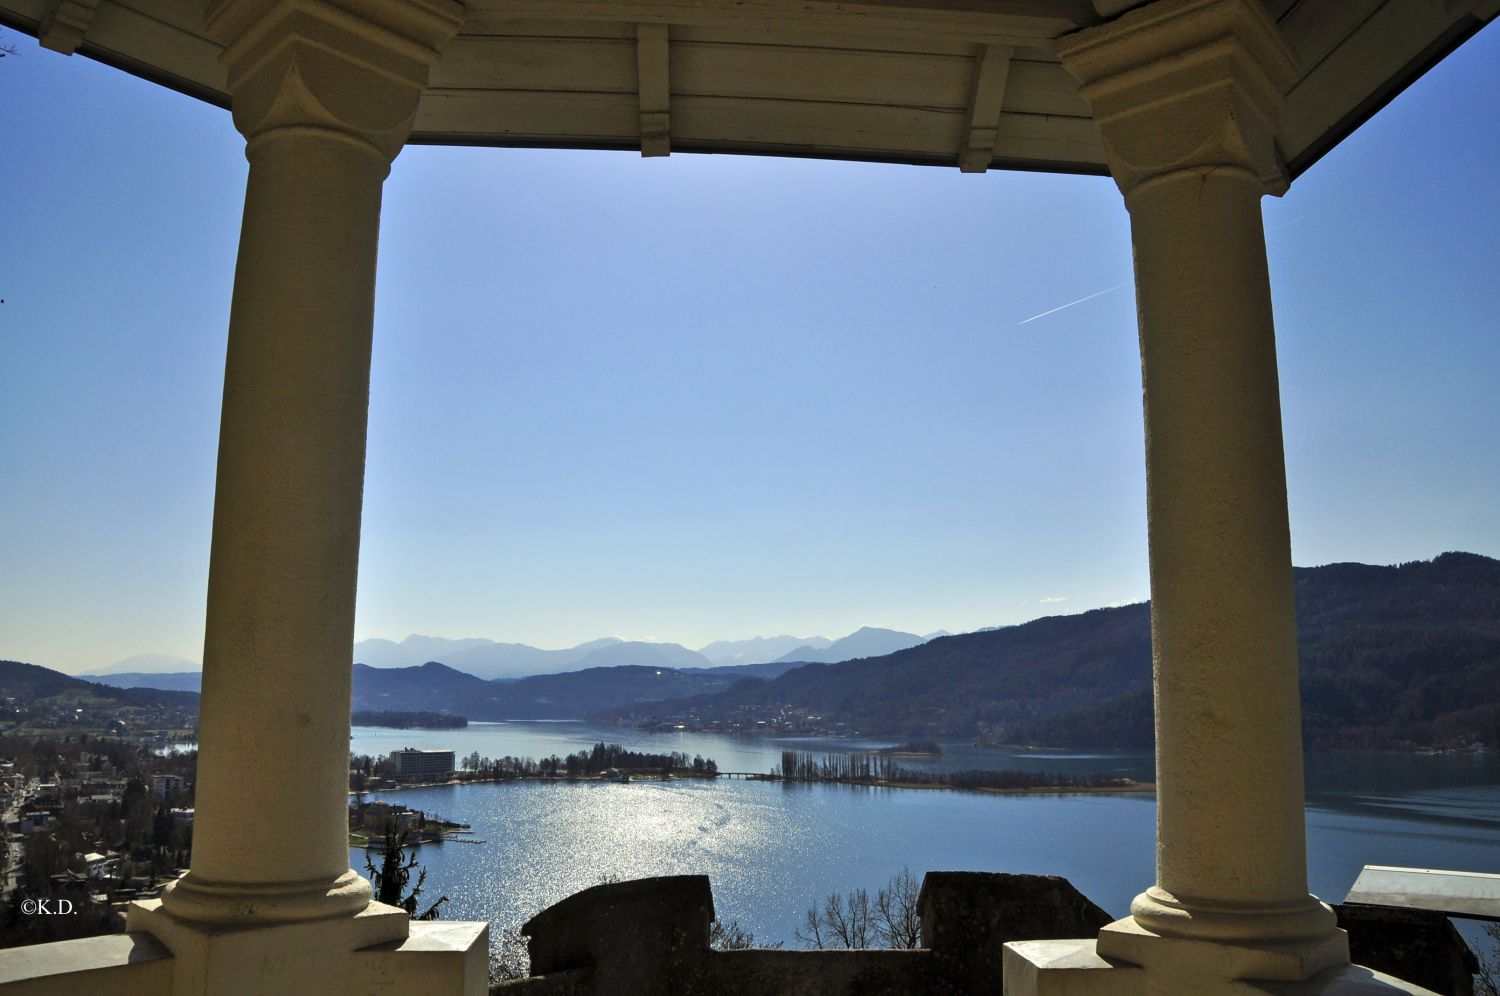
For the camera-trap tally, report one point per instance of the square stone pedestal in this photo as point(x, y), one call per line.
point(1127, 959)
point(378, 950)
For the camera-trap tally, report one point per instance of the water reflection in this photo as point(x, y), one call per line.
point(772, 849)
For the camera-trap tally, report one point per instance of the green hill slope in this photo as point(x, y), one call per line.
point(39, 699)
point(1390, 656)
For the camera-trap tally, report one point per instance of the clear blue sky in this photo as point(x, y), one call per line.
point(710, 397)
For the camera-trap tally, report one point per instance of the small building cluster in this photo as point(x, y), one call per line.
point(375, 815)
point(164, 785)
point(144, 722)
point(368, 822)
point(779, 719)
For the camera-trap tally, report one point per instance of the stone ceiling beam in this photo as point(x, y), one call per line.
point(985, 99)
point(1018, 24)
point(652, 51)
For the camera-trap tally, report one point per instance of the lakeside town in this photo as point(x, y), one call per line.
point(95, 821)
point(92, 823)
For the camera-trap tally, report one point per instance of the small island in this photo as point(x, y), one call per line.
point(408, 720)
point(604, 762)
point(913, 748)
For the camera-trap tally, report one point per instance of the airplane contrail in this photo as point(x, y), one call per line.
point(1070, 304)
point(1300, 217)
point(1335, 205)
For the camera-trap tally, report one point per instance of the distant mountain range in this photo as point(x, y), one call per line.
point(479, 657)
point(867, 641)
point(759, 649)
point(644, 655)
point(517, 664)
point(145, 664)
point(436, 687)
point(170, 681)
point(1389, 656)
point(489, 659)
point(548, 698)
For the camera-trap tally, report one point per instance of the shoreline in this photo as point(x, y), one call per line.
point(1025, 749)
point(1133, 788)
point(688, 775)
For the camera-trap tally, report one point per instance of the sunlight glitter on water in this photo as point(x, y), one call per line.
point(772, 849)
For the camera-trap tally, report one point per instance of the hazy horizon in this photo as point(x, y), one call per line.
point(153, 662)
point(148, 661)
point(699, 396)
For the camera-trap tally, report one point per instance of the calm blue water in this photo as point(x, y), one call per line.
point(771, 850)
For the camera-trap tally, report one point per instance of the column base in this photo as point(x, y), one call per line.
point(1222, 960)
point(234, 903)
point(377, 950)
point(1160, 912)
point(1078, 968)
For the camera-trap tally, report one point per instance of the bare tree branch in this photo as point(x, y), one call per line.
point(1487, 982)
point(897, 920)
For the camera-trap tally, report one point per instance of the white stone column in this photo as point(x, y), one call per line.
point(1186, 93)
point(325, 98)
point(324, 92)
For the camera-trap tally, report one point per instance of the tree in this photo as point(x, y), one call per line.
point(1487, 982)
point(732, 937)
point(510, 957)
point(890, 920)
point(391, 878)
point(840, 923)
point(897, 919)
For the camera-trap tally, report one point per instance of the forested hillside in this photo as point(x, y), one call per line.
point(570, 695)
point(38, 699)
point(1390, 656)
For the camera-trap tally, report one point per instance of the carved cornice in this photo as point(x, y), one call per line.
point(356, 67)
point(1186, 85)
point(65, 24)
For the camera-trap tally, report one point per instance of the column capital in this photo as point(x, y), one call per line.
point(1186, 85)
point(353, 68)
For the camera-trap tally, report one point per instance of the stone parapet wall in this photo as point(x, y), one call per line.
point(134, 964)
point(1412, 944)
point(651, 937)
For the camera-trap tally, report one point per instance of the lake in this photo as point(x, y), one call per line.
point(771, 849)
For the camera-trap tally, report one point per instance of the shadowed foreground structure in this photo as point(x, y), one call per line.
point(652, 936)
point(1196, 109)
